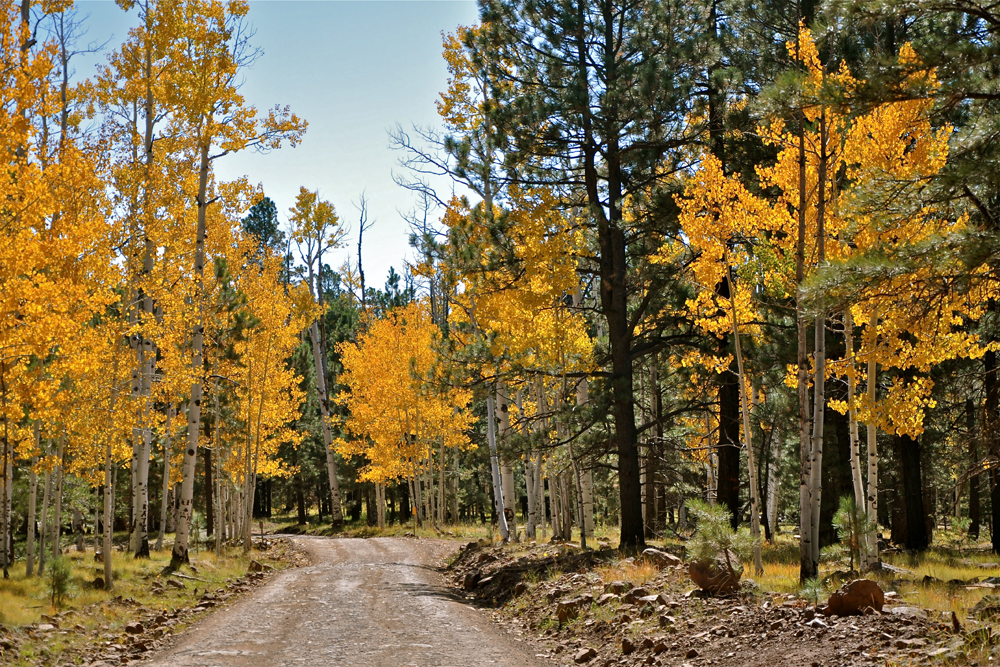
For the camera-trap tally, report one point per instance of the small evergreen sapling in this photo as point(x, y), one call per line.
point(59, 573)
point(715, 537)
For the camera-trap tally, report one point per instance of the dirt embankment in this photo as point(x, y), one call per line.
point(635, 613)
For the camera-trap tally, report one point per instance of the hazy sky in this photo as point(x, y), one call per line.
point(352, 69)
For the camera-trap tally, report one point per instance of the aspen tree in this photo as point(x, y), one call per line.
point(316, 227)
point(211, 111)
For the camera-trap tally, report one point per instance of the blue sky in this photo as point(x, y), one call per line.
point(352, 69)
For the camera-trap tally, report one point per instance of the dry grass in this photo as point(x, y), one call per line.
point(637, 574)
point(23, 600)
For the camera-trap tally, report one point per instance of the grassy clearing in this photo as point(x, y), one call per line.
point(24, 600)
point(90, 616)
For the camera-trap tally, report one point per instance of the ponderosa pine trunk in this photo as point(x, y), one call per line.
point(908, 450)
point(974, 466)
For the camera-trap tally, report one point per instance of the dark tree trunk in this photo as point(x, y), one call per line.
point(989, 435)
point(728, 475)
point(300, 502)
point(908, 449)
point(970, 418)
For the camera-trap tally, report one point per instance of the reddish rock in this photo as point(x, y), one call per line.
point(661, 559)
point(627, 646)
point(720, 576)
point(616, 587)
point(567, 611)
point(854, 597)
point(635, 594)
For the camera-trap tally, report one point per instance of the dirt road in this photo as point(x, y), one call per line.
point(366, 602)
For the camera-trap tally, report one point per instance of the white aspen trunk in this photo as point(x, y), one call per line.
point(772, 485)
point(586, 475)
point(872, 505)
point(529, 483)
point(529, 478)
point(381, 506)
point(816, 467)
point(429, 487)
point(217, 482)
point(856, 474)
point(495, 467)
point(567, 505)
point(415, 508)
point(553, 499)
point(140, 526)
point(139, 541)
point(324, 408)
point(747, 439)
point(164, 498)
point(109, 516)
point(97, 519)
point(442, 505)
point(454, 488)
point(44, 533)
point(540, 493)
point(713, 489)
point(579, 497)
point(506, 469)
point(556, 492)
point(57, 519)
point(179, 556)
point(78, 529)
point(29, 561)
point(418, 504)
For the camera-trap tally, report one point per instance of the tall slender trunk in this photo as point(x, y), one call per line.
point(166, 478)
point(819, 356)
point(495, 468)
point(179, 556)
point(747, 439)
point(860, 501)
point(209, 492)
point(29, 561)
point(57, 519)
point(43, 538)
point(324, 407)
point(807, 568)
point(872, 440)
point(442, 505)
point(506, 468)
point(974, 466)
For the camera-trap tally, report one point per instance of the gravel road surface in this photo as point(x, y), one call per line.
point(365, 602)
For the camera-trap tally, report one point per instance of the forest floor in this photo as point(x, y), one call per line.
point(656, 617)
point(146, 608)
